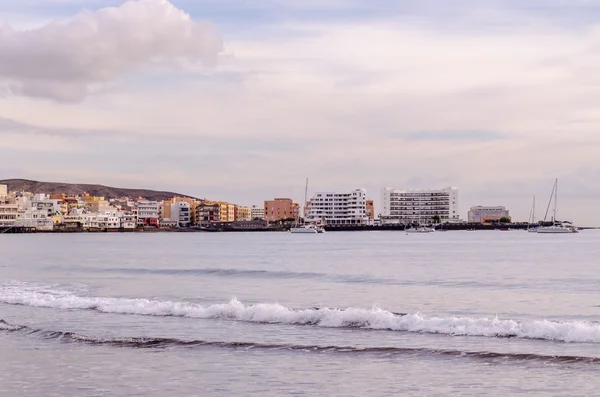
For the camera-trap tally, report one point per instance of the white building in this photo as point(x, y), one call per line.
point(257, 212)
point(38, 219)
point(51, 207)
point(419, 206)
point(3, 190)
point(481, 214)
point(148, 212)
point(347, 208)
point(109, 220)
point(129, 220)
point(181, 213)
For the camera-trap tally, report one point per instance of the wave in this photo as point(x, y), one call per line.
point(165, 343)
point(273, 313)
point(258, 273)
point(326, 277)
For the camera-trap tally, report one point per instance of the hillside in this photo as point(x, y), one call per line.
point(79, 188)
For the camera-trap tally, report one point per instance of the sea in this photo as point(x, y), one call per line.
point(378, 313)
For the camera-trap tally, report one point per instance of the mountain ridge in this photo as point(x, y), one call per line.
point(71, 189)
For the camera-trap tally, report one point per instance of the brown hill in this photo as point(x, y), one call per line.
point(72, 189)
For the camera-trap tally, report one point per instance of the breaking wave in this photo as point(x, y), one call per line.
point(165, 343)
point(273, 313)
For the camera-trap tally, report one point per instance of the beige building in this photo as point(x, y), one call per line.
point(227, 212)
point(3, 190)
point(243, 213)
point(281, 208)
point(9, 214)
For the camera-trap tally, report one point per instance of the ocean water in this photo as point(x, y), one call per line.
point(275, 314)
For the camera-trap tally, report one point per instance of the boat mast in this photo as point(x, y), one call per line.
point(555, 198)
point(531, 219)
point(304, 203)
point(549, 202)
point(533, 211)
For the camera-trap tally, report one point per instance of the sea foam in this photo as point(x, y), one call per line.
point(274, 313)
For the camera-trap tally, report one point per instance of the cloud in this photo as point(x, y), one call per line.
point(65, 61)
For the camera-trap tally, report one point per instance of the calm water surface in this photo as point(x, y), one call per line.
point(271, 314)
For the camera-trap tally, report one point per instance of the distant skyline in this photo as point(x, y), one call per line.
point(241, 101)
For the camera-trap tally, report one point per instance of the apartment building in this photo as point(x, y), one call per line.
point(243, 213)
point(257, 212)
point(9, 214)
point(148, 213)
point(181, 213)
point(338, 208)
point(3, 191)
point(207, 213)
point(33, 217)
point(419, 206)
point(280, 209)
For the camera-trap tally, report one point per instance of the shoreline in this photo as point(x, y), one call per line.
point(284, 229)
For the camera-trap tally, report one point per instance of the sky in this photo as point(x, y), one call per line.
point(242, 100)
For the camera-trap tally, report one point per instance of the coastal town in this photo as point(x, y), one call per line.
point(45, 212)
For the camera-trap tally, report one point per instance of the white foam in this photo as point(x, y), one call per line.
point(377, 319)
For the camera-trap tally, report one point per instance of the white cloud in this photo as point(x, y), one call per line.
point(65, 60)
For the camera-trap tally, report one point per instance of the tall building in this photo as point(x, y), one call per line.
point(3, 190)
point(481, 214)
point(181, 213)
point(280, 209)
point(333, 208)
point(257, 212)
point(419, 206)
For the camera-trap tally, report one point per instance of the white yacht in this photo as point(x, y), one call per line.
point(556, 227)
point(305, 228)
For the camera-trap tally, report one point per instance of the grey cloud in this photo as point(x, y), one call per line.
point(64, 60)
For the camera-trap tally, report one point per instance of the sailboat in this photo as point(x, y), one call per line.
point(556, 227)
point(531, 227)
point(305, 228)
